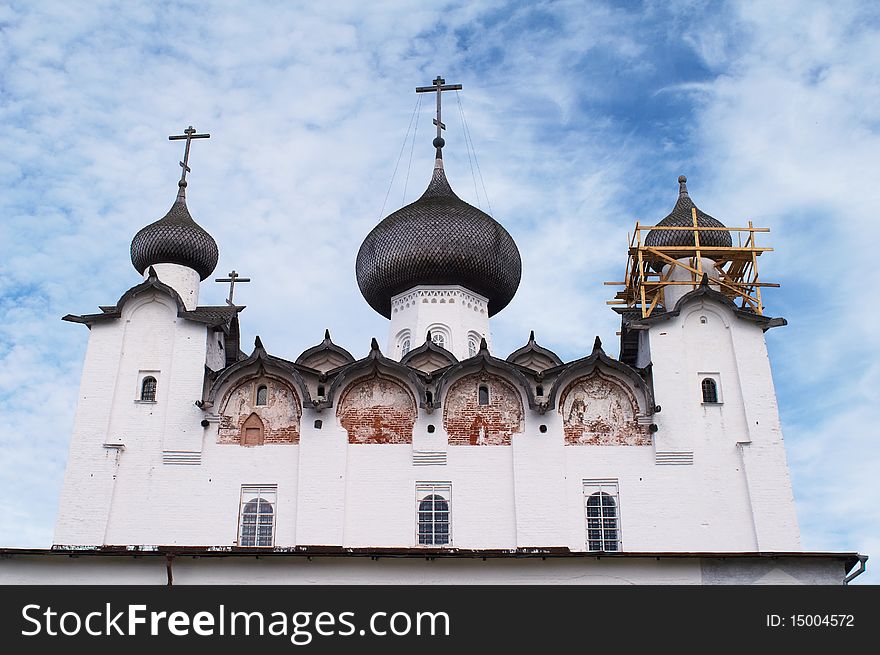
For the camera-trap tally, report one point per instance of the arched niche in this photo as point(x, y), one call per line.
point(482, 409)
point(601, 410)
point(253, 432)
point(279, 416)
point(377, 410)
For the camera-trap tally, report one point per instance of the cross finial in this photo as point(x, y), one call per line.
point(189, 134)
point(439, 85)
point(232, 279)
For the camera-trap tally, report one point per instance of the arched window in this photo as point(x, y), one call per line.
point(483, 394)
point(257, 527)
point(404, 347)
point(473, 346)
point(148, 389)
point(433, 520)
point(710, 390)
point(262, 394)
point(439, 338)
point(602, 522)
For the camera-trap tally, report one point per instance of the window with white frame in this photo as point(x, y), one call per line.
point(473, 346)
point(440, 335)
point(602, 514)
point(404, 342)
point(256, 523)
point(432, 513)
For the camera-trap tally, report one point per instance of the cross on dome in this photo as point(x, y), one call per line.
point(439, 85)
point(189, 134)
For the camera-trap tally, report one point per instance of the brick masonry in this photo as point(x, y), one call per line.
point(279, 416)
point(599, 411)
point(377, 410)
point(469, 423)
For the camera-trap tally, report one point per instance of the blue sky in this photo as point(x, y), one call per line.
point(583, 114)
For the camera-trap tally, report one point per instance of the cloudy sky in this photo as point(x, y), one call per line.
point(582, 115)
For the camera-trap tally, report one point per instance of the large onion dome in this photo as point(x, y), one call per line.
point(680, 216)
point(439, 239)
point(175, 239)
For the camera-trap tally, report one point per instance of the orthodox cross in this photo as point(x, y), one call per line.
point(439, 85)
point(232, 279)
point(189, 134)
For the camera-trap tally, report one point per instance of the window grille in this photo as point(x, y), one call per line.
point(710, 390)
point(262, 394)
point(439, 339)
point(257, 516)
point(432, 514)
point(148, 389)
point(602, 513)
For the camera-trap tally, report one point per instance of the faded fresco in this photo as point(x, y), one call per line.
point(469, 423)
point(377, 410)
point(243, 421)
point(599, 411)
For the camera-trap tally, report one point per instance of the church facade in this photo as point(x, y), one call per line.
point(663, 464)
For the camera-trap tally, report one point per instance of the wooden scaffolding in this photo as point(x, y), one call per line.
point(734, 273)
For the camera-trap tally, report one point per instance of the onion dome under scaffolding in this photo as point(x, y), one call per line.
point(673, 252)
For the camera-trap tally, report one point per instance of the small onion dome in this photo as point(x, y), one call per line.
point(175, 239)
point(438, 239)
point(681, 217)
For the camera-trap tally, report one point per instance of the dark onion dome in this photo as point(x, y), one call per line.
point(681, 217)
point(439, 239)
point(175, 239)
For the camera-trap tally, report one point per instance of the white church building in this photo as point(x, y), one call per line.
point(197, 458)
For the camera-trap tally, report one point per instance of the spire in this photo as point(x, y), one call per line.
point(682, 185)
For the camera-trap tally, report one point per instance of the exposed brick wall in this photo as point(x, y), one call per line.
point(377, 410)
point(469, 423)
point(599, 410)
point(280, 415)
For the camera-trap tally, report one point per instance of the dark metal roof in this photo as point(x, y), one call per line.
point(544, 552)
point(175, 239)
point(705, 292)
point(428, 347)
point(213, 316)
point(438, 239)
point(528, 352)
point(326, 345)
point(680, 216)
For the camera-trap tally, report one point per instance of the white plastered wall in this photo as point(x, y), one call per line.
point(453, 310)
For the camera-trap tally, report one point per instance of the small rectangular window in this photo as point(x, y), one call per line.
point(602, 514)
point(433, 525)
point(256, 515)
